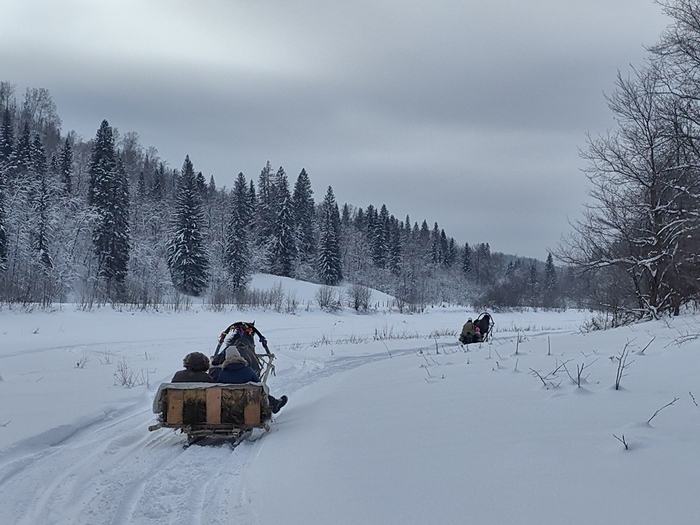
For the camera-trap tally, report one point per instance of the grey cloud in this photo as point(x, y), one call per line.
point(406, 103)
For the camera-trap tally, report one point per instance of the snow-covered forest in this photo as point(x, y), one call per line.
point(107, 220)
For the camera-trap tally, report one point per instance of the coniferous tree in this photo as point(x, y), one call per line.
point(238, 235)
point(187, 256)
point(7, 138)
point(435, 244)
point(451, 253)
point(108, 194)
point(65, 167)
point(534, 286)
point(443, 246)
point(345, 216)
point(329, 261)
point(158, 183)
point(370, 224)
point(467, 260)
point(550, 283)
point(304, 217)
point(265, 205)
point(3, 218)
point(283, 250)
point(379, 237)
point(252, 195)
point(360, 220)
point(22, 163)
point(424, 238)
point(141, 187)
point(394, 244)
point(202, 186)
point(41, 228)
point(102, 166)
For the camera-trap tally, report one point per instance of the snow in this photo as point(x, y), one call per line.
point(390, 421)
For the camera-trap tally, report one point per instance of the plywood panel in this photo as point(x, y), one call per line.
point(213, 406)
point(176, 400)
point(251, 414)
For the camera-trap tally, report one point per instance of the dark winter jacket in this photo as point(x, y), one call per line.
point(214, 372)
point(188, 376)
point(237, 371)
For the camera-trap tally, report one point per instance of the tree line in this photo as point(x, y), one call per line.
point(107, 220)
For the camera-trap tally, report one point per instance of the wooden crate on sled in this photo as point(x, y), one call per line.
point(212, 409)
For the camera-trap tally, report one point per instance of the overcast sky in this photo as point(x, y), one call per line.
point(469, 113)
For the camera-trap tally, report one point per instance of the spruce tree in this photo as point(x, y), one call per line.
point(435, 252)
point(345, 216)
point(424, 237)
point(65, 167)
point(467, 260)
point(22, 163)
point(3, 219)
point(329, 262)
point(304, 216)
point(202, 186)
point(265, 205)
point(41, 199)
point(7, 138)
point(379, 237)
point(360, 220)
point(451, 253)
point(533, 286)
point(238, 235)
point(444, 247)
point(187, 254)
point(283, 250)
point(158, 183)
point(550, 283)
point(394, 245)
point(108, 194)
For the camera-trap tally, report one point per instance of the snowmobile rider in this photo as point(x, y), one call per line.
point(196, 366)
point(235, 370)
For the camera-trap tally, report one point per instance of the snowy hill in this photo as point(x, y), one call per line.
point(305, 292)
point(389, 421)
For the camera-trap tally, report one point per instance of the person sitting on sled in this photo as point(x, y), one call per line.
point(468, 332)
point(243, 338)
point(196, 366)
point(235, 370)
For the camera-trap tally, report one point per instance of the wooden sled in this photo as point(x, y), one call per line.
point(203, 410)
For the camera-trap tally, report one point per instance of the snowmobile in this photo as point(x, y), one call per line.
point(229, 412)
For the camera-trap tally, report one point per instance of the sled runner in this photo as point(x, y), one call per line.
point(203, 410)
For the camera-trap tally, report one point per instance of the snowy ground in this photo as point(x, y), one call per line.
point(389, 421)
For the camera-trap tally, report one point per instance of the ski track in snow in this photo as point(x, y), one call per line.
point(119, 473)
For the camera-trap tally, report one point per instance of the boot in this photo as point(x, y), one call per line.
point(279, 404)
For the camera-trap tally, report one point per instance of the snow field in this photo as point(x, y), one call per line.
point(409, 429)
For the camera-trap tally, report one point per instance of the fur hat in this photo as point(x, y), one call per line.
point(196, 361)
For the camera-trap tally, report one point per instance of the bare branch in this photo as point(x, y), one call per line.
point(647, 346)
point(623, 441)
point(660, 409)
